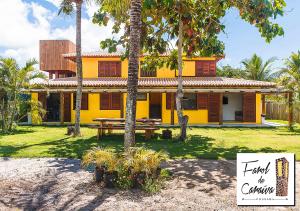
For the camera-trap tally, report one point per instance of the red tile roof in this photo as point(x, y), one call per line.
point(193, 82)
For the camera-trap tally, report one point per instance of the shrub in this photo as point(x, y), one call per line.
point(138, 167)
point(144, 160)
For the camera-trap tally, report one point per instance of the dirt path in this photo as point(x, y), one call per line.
point(60, 184)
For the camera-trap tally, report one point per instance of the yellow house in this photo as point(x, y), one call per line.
point(207, 98)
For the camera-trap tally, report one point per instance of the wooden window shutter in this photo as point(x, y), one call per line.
point(213, 107)
point(104, 101)
point(115, 101)
point(101, 69)
point(202, 100)
point(109, 69)
point(249, 107)
point(212, 68)
point(168, 101)
point(205, 68)
point(84, 101)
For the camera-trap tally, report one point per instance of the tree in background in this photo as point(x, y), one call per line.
point(230, 72)
point(67, 7)
point(290, 74)
point(14, 83)
point(257, 69)
point(194, 25)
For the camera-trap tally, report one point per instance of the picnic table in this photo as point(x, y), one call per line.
point(109, 124)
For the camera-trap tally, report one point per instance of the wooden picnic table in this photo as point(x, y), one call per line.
point(149, 125)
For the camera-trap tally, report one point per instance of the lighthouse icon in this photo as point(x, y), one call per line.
point(282, 176)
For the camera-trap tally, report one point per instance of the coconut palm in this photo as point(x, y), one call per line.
point(290, 74)
point(133, 68)
point(119, 8)
point(257, 69)
point(14, 82)
point(67, 7)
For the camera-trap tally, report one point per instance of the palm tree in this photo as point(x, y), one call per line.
point(67, 7)
point(133, 68)
point(15, 81)
point(256, 69)
point(290, 75)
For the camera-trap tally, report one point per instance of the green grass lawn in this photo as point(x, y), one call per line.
point(209, 143)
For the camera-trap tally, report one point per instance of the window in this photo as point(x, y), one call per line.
point(202, 100)
point(147, 73)
point(225, 100)
point(84, 101)
point(141, 97)
point(110, 101)
point(189, 101)
point(109, 69)
point(205, 68)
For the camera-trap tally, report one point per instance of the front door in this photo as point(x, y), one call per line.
point(155, 108)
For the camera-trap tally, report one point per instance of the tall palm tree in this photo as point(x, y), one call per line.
point(133, 68)
point(117, 9)
point(290, 75)
point(256, 69)
point(67, 7)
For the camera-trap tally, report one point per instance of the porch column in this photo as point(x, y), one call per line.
point(172, 108)
point(291, 110)
point(221, 110)
point(263, 102)
point(62, 107)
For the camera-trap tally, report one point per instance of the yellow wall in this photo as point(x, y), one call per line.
point(195, 116)
point(258, 108)
point(90, 67)
point(94, 111)
point(142, 108)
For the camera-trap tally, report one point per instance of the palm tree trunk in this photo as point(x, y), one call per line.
point(79, 68)
point(179, 96)
point(133, 68)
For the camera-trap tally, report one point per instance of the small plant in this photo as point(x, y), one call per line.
point(105, 162)
point(138, 167)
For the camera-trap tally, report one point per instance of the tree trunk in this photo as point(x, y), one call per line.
point(133, 68)
point(182, 120)
point(79, 68)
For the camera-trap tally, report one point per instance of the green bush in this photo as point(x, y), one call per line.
point(138, 167)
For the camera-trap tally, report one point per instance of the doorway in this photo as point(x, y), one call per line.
point(53, 104)
point(155, 105)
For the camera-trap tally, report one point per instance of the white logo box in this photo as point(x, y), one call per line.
point(265, 179)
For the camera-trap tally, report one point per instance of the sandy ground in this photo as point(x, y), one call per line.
point(60, 184)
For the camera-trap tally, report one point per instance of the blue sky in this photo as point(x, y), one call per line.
point(28, 21)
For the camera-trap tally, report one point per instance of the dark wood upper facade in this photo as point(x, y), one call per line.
point(52, 60)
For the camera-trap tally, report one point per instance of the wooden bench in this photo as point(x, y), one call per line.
point(110, 124)
point(101, 130)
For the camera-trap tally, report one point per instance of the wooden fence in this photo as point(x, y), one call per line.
point(280, 111)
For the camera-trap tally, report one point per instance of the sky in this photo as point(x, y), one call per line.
point(24, 22)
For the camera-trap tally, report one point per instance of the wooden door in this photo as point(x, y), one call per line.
point(67, 107)
point(214, 107)
point(249, 107)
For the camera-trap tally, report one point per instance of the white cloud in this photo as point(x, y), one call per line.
point(27, 23)
point(55, 2)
